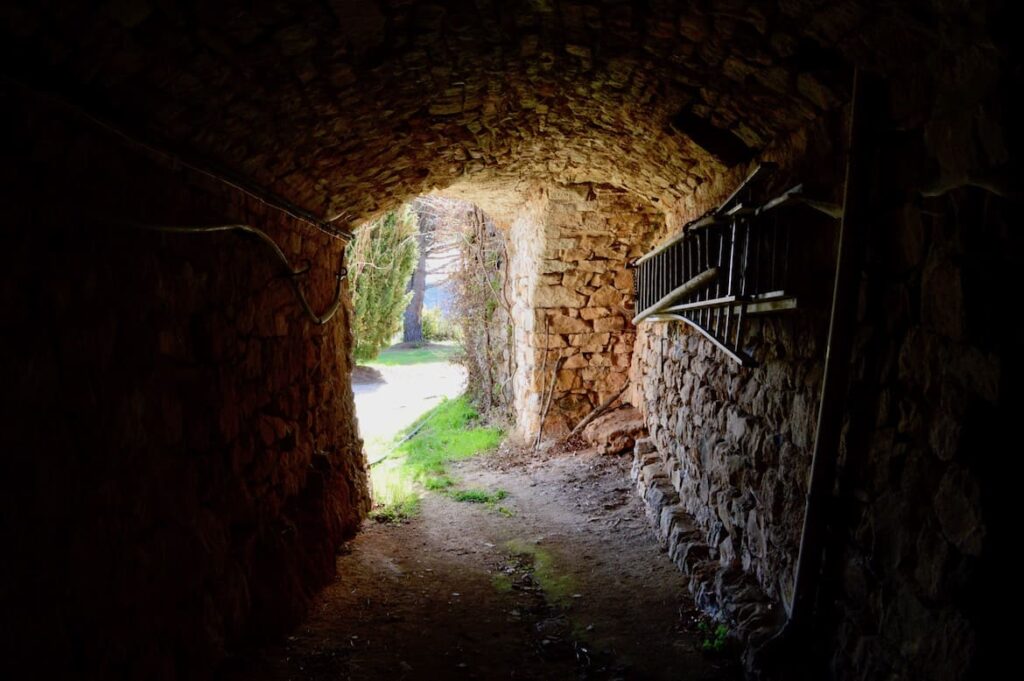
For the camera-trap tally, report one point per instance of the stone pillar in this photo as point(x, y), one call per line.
point(573, 300)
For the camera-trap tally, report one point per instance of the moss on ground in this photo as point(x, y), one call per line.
point(558, 588)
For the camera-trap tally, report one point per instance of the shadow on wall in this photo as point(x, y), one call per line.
point(180, 459)
point(919, 524)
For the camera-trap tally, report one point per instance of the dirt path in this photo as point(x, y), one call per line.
point(407, 392)
point(571, 585)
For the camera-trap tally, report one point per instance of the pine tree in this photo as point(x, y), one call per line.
point(382, 259)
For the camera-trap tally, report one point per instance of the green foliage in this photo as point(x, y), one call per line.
point(448, 432)
point(404, 356)
point(715, 637)
point(381, 261)
point(502, 583)
point(478, 496)
point(398, 510)
point(437, 327)
point(481, 309)
point(438, 483)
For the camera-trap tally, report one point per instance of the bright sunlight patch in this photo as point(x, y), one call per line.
point(448, 432)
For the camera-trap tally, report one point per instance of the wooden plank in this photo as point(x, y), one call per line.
point(697, 283)
point(704, 223)
point(788, 196)
point(833, 210)
point(795, 196)
point(756, 305)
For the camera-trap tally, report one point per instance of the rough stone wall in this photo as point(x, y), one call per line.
point(925, 502)
point(724, 591)
point(737, 442)
point(348, 108)
point(921, 496)
point(180, 457)
point(920, 524)
point(384, 101)
point(526, 244)
point(574, 301)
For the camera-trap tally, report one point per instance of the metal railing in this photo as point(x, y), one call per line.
point(722, 268)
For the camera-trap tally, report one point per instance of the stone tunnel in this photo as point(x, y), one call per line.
point(181, 460)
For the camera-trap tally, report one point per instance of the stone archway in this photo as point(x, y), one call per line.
point(170, 399)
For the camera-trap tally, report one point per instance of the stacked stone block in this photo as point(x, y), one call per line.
point(579, 302)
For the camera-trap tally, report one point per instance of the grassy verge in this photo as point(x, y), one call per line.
point(407, 356)
point(448, 432)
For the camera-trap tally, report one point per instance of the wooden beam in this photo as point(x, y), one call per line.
point(755, 305)
point(795, 196)
point(769, 305)
point(713, 303)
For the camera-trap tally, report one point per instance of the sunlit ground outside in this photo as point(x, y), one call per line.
point(416, 421)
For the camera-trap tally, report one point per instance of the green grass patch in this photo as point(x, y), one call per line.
point(478, 496)
point(449, 432)
point(502, 583)
point(438, 483)
point(557, 587)
point(376, 447)
point(397, 511)
point(395, 498)
point(715, 636)
point(428, 354)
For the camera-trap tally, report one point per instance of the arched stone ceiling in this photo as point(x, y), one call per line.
point(345, 106)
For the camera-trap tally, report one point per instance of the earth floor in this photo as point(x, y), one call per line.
point(563, 580)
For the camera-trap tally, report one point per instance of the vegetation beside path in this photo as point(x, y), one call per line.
point(451, 431)
point(405, 355)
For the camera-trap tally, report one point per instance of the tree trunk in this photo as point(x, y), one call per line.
point(412, 326)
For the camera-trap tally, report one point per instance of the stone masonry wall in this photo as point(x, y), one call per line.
point(923, 499)
point(525, 249)
point(348, 108)
point(926, 513)
point(921, 522)
point(736, 441)
point(180, 458)
point(578, 302)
